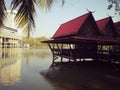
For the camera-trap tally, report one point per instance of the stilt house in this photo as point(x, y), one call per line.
point(83, 38)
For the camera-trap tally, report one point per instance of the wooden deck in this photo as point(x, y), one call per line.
point(78, 49)
point(101, 52)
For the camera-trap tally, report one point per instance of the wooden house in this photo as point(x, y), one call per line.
point(83, 37)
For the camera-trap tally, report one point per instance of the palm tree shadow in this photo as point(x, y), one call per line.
point(83, 76)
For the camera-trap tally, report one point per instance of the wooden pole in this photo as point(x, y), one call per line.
point(61, 53)
point(52, 52)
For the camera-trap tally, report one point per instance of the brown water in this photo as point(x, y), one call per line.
point(32, 69)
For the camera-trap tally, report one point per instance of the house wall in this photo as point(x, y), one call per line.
point(109, 31)
point(89, 28)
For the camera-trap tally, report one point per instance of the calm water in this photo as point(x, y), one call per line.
point(32, 69)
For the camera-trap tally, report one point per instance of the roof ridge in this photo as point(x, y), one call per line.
point(77, 17)
point(103, 19)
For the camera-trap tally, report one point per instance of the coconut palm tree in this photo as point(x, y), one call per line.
point(26, 12)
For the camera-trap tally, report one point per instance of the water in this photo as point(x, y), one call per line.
point(32, 69)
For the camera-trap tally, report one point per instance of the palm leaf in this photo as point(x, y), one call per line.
point(26, 11)
point(2, 9)
point(26, 28)
point(25, 14)
point(46, 4)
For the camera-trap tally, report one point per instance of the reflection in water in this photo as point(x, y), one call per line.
point(37, 53)
point(10, 66)
point(83, 76)
point(27, 69)
point(40, 53)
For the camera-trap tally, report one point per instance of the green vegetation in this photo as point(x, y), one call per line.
point(35, 42)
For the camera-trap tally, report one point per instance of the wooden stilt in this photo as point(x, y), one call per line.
point(51, 48)
point(61, 53)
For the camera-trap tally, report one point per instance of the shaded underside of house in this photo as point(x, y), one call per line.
point(76, 48)
point(85, 38)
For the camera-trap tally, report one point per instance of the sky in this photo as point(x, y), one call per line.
point(48, 22)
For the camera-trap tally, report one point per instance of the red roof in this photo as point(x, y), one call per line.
point(102, 23)
point(71, 27)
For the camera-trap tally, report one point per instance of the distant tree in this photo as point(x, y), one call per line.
point(114, 4)
point(29, 41)
point(35, 42)
point(39, 44)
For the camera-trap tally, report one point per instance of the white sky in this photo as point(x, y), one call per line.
point(48, 22)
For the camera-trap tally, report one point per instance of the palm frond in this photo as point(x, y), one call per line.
point(26, 11)
point(26, 32)
point(22, 22)
point(46, 4)
point(25, 14)
point(2, 9)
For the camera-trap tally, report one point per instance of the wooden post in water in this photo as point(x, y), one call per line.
point(52, 52)
point(61, 53)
